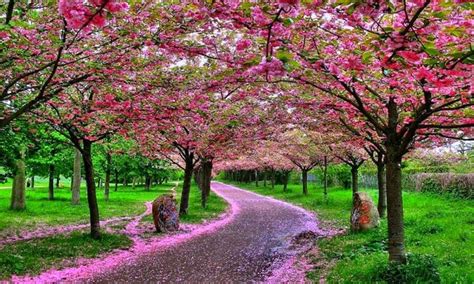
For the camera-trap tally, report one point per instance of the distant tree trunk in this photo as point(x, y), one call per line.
point(286, 177)
point(134, 181)
point(108, 170)
point(355, 180)
point(382, 202)
point(33, 182)
point(18, 187)
point(76, 178)
point(188, 173)
point(304, 177)
point(147, 182)
point(273, 178)
point(51, 182)
point(91, 190)
point(58, 178)
point(264, 178)
point(116, 180)
point(125, 182)
point(256, 178)
point(206, 176)
point(325, 177)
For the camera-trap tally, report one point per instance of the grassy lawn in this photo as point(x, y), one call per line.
point(439, 226)
point(43, 212)
point(32, 257)
point(35, 256)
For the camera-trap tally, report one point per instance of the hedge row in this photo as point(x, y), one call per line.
point(459, 185)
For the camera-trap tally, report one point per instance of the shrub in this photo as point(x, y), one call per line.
point(459, 185)
point(419, 269)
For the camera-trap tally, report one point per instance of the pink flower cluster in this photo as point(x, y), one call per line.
point(78, 15)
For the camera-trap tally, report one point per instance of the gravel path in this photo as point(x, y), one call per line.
point(257, 241)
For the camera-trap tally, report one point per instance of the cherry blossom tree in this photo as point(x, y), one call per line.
point(45, 52)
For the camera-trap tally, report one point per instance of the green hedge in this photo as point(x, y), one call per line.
point(459, 185)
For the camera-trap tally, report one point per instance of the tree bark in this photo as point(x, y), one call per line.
point(382, 202)
point(9, 15)
point(355, 179)
point(108, 170)
point(91, 190)
point(396, 242)
point(256, 178)
point(206, 175)
point(264, 178)
point(273, 178)
point(116, 180)
point(32, 182)
point(304, 177)
point(58, 178)
point(18, 187)
point(51, 182)
point(286, 176)
point(188, 173)
point(76, 179)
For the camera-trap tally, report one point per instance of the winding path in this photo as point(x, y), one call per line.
point(256, 241)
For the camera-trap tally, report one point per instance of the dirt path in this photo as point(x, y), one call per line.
point(257, 241)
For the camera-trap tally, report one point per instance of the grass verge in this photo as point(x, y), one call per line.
point(439, 226)
point(40, 211)
point(32, 257)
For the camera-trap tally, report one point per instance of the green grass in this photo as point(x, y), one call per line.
point(435, 225)
point(197, 214)
point(34, 256)
point(43, 212)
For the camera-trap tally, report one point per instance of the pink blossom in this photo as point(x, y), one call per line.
point(410, 56)
point(243, 44)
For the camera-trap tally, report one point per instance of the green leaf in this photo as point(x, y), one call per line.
point(367, 57)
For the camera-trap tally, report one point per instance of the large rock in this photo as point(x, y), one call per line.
point(364, 213)
point(165, 215)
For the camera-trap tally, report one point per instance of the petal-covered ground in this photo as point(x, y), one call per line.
point(258, 240)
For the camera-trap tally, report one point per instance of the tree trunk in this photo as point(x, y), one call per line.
point(18, 188)
point(304, 176)
point(325, 177)
point(206, 175)
point(198, 177)
point(76, 179)
point(134, 180)
point(382, 202)
point(91, 190)
point(51, 182)
point(147, 182)
point(32, 182)
point(9, 15)
point(355, 180)
point(273, 178)
point(58, 178)
point(396, 247)
point(256, 178)
point(116, 180)
point(286, 176)
point(264, 178)
point(108, 170)
point(188, 173)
